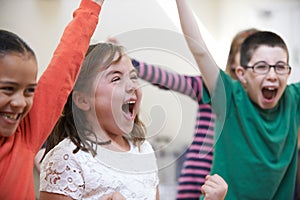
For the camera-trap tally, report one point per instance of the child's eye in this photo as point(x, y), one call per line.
point(30, 91)
point(116, 78)
point(281, 66)
point(7, 89)
point(134, 76)
point(262, 66)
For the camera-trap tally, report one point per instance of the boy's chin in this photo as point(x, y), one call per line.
point(268, 104)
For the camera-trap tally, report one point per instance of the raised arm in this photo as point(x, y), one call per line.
point(59, 77)
point(157, 76)
point(196, 44)
point(187, 85)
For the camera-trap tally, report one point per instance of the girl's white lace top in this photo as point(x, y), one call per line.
point(81, 176)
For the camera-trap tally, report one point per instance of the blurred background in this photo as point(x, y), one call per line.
point(150, 31)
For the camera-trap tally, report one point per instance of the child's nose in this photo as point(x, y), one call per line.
point(131, 86)
point(272, 73)
point(18, 100)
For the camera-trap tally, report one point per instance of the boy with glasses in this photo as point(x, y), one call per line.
point(257, 117)
point(263, 67)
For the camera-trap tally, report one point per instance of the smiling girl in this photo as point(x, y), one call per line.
point(29, 108)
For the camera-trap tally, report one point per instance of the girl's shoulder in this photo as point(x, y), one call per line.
point(145, 147)
point(66, 145)
point(65, 151)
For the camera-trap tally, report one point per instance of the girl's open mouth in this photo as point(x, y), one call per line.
point(128, 108)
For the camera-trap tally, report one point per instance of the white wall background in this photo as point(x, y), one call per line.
point(154, 24)
point(150, 31)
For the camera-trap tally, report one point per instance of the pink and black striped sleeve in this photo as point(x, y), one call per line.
point(187, 85)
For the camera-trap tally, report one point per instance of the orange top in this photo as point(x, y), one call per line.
point(17, 152)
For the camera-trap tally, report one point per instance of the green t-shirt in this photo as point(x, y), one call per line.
point(255, 149)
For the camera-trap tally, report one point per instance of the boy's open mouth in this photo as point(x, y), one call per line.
point(269, 93)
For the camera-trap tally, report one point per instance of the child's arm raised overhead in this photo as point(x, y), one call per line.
point(196, 44)
point(58, 79)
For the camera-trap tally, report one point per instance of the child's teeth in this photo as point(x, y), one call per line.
point(131, 101)
point(10, 116)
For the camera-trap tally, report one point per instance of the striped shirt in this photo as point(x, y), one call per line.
point(199, 155)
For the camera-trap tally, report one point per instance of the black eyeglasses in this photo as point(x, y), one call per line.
point(262, 67)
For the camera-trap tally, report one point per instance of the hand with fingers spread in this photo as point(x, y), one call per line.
point(214, 188)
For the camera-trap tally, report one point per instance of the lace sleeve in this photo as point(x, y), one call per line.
point(60, 173)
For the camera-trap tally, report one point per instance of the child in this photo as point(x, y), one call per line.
point(98, 146)
point(199, 155)
point(256, 126)
point(233, 59)
point(26, 123)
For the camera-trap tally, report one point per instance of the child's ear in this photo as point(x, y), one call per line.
point(81, 100)
point(240, 74)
